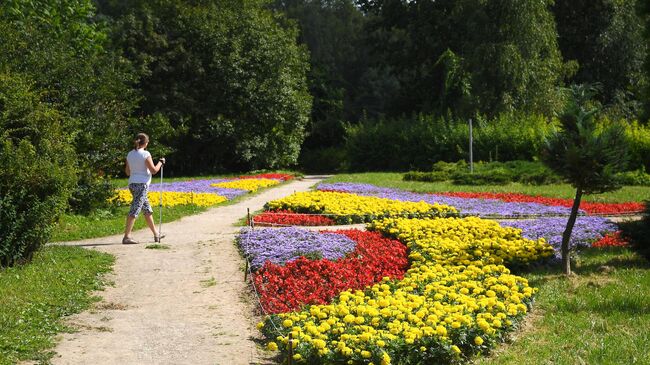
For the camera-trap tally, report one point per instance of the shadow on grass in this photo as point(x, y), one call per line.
point(588, 262)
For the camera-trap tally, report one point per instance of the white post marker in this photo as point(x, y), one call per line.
point(471, 152)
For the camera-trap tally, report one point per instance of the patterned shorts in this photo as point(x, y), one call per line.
point(140, 199)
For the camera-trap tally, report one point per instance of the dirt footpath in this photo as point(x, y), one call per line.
point(185, 305)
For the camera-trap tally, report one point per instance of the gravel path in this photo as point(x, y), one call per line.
point(185, 305)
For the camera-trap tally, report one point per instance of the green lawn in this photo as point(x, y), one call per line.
point(109, 222)
point(394, 180)
point(106, 222)
point(599, 316)
point(36, 296)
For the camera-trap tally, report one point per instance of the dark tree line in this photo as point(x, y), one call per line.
point(459, 58)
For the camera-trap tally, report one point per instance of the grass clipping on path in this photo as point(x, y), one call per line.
point(158, 246)
point(36, 297)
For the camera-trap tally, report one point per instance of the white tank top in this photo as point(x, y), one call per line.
point(139, 171)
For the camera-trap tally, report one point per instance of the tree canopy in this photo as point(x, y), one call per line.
point(228, 76)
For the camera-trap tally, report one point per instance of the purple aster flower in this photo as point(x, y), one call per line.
point(281, 245)
point(466, 206)
point(199, 186)
point(586, 230)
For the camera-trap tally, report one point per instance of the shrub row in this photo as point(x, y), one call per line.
point(37, 170)
point(492, 173)
point(415, 143)
point(501, 173)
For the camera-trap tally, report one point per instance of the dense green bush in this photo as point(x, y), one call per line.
point(64, 52)
point(637, 177)
point(36, 170)
point(417, 142)
point(229, 76)
point(498, 176)
point(499, 173)
point(432, 176)
point(638, 136)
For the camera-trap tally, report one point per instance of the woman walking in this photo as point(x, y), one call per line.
point(139, 168)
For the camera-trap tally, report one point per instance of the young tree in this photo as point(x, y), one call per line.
point(585, 153)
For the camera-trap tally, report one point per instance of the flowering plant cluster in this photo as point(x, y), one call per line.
point(283, 245)
point(589, 207)
point(199, 186)
point(304, 281)
point(172, 198)
point(467, 206)
point(585, 232)
point(281, 177)
point(247, 184)
point(614, 239)
point(203, 192)
point(287, 218)
point(457, 299)
point(348, 208)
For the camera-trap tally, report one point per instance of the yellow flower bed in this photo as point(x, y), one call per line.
point(463, 241)
point(247, 184)
point(457, 299)
point(352, 208)
point(171, 199)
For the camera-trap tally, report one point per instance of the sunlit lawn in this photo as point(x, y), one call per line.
point(599, 316)
point(106, 222)
point(394, 180)
point(35, 297)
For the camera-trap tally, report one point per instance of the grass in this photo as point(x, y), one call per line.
point(105, 222)
point(599, 316)
point(394, 180)
point(36, 297)
point(111, 221)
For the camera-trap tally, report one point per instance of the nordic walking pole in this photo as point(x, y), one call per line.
point(160, 203)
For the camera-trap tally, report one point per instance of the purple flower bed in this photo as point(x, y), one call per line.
point(199, 186)
point(466, 206)
point(585, 232)
point(281, 245)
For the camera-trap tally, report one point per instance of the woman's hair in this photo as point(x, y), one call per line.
point(140, 140)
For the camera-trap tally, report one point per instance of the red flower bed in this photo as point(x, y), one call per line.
point(611, 240)
point(303, 281)
point(283, 177)
point(589, 207)
point(288, 218)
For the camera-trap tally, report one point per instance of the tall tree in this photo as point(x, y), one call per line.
point(468, 55)
point(59, 46)
point(643, 9)
point(585, 153)
point(605, 39)
point(228, 75)
point(332, 30)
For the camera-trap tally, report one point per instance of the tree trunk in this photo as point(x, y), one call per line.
point(566, 236)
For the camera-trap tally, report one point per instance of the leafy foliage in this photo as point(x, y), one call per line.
point(438, 51)
point(58, 46)
point(416, 143)
point(36, 170)
point(584, 152)
point(643, 9)
point(604, 38)
point(228, 76)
